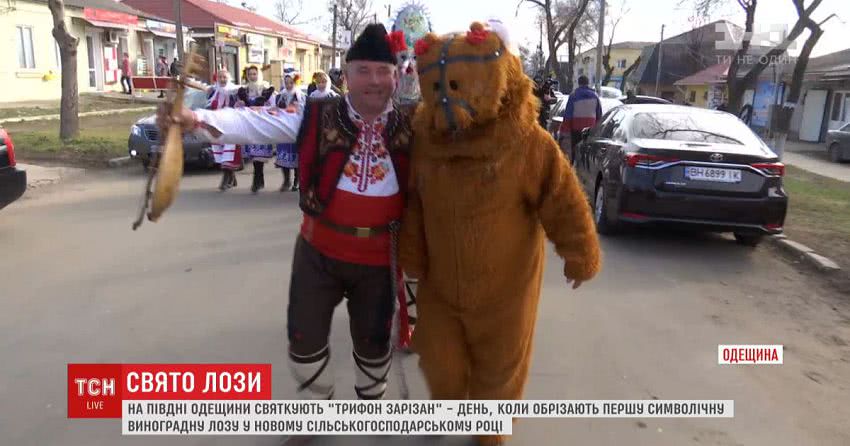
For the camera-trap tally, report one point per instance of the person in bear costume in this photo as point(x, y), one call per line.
point(487, 187)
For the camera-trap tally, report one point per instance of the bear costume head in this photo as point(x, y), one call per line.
point(472, 85)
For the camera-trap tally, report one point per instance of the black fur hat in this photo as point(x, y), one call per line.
point(372, 45)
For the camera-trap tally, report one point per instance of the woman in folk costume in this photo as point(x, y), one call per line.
point(292, 100)
point(257, 93)
point(323, 86)
point(220, 95)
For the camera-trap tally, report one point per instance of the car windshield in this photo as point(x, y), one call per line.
point(693, 127)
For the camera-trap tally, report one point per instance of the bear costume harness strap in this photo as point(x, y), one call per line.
point(443, 63)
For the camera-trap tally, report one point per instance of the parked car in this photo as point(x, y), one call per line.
point(838, 144)
point(682, 165)
point(641, 99)
point(13, 181)
point(611, 93)
point(145, 138)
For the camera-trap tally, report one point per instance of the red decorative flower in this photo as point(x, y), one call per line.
point(396, 41)
point(421, 47)
point(476, 37)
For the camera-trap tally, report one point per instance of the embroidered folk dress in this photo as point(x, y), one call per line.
point(287, 153)
point(225, 154)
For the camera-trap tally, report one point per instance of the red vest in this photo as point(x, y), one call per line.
point(325, 141)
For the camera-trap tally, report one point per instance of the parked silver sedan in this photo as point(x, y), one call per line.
point(838, 144)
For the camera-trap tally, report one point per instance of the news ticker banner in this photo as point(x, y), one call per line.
point(97, 390)
point(235, 399)
point(429, 417)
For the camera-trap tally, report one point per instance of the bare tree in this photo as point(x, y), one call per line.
point(736, 85)
point(561, 19)
point(606, 56)
point(353, 15)
point(69, 119)
point(289, 12)
point(627, 72)
point(783, 114)
point(532, 60)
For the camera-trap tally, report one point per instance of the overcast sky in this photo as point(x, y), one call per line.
point(642, 22)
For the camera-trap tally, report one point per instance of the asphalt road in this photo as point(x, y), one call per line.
point(209, 284)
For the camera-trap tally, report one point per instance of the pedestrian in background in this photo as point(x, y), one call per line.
point(126, 74)
point(161, 71)
point(583, 110)
point(291, 100)
point(323, 86)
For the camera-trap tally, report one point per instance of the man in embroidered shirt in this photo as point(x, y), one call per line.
point(353, 155)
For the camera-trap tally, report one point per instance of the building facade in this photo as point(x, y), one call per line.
point(235, 39)
point(106, 30)
point(825, 97)
point(623, 55)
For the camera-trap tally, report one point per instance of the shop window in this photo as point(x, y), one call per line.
point(26, 59)
point(693, 96)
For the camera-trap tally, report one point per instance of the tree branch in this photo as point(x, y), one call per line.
point(536, 2)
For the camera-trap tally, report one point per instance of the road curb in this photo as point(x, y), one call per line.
point(799, 251)
point(122, 161)
point(84, 114)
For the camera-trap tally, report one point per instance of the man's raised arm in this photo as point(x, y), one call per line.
point(268, 125)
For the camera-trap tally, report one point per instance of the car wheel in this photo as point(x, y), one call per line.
point(751, 240)
point(600, 212)
point(835, 153)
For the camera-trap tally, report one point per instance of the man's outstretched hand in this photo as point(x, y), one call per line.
point(575, 283)
point(165, 118)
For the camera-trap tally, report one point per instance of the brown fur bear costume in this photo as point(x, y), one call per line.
point(488, 186)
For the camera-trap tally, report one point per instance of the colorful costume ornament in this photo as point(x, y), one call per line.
point(487, 187)
point(413, 22)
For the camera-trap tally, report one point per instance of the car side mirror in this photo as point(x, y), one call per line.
point(585, 132)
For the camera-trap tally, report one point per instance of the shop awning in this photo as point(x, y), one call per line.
point(102, 24)
point(159, 33)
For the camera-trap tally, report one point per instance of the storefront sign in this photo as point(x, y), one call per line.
point(254, 40)
point(102, 15)
point(227, 34)
point(256, 55)
point(153, 25)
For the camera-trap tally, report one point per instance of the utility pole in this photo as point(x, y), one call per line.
point(178, 14)
point(389, 10)
point(660, 57)
point(333, 40)
point(599, 46)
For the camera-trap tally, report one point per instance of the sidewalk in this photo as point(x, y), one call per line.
point(38, 176)
point(813, 158)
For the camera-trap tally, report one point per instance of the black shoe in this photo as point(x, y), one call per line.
point(257, 184)
point(294, 187)
point(225, 182)
point(286, 186)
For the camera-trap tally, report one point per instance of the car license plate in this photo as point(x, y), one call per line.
point(712, 174)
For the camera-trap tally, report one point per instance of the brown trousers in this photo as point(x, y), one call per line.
point(319, 283)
